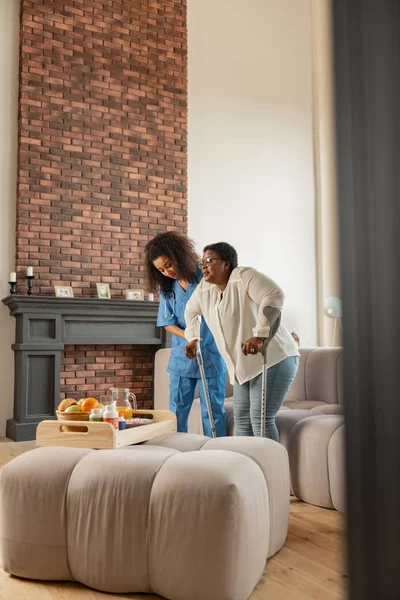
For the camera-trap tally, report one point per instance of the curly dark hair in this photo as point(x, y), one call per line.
point(180, 249)
point(224, 251)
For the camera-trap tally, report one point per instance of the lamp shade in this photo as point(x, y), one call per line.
point(333, 307)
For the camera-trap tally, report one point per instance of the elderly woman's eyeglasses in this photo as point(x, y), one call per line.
point(209, 261)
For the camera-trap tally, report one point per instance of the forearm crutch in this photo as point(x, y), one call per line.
point(274, 317)
point(205, 388)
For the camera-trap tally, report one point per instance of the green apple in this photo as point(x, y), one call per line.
point(73, 409)
point(101, 406)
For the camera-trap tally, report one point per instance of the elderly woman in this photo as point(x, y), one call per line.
point(232, 300)
point(172, 266)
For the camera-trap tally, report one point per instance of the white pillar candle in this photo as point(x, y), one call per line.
point(151, 297)
point(13, 277)
point(29, 271)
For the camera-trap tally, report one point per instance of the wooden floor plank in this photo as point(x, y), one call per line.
point(317, 514)
point(10, 450)
point(332, 578)
point(272, 590)
point(293, 579)
point(309, 567)
point(331, 560)
point(326, 538)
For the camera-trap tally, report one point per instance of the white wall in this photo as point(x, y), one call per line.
point(251, 180)
point(9, 36)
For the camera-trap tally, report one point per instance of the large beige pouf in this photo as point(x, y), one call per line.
point(185, 525)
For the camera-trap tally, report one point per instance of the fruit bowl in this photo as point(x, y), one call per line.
point(73, 416)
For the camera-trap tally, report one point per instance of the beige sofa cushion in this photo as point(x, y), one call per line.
point(308, 449)
point(286, 420)
point(318, 379)
point(302, 404)
point(328, 409)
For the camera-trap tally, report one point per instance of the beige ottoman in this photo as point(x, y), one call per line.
point(194, 524)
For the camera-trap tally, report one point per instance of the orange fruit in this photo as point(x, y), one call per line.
point(88, 404)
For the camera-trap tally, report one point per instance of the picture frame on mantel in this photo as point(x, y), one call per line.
point(134, 294)
point(103, 291)
point(64, 291)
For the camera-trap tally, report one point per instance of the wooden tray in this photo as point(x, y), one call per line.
point(99, 435)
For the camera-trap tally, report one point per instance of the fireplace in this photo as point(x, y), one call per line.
point(50, 331)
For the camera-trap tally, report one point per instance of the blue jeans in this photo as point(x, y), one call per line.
point(247, 399)
point(181, 399)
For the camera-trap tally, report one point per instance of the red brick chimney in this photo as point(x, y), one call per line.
point(102, 157)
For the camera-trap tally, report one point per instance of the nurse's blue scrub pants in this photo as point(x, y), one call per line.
point(181, 399)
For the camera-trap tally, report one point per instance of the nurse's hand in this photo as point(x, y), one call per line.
point(252, 345)
point(190, 349)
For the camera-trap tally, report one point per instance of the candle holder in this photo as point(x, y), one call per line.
point(29, 280)
point(13, 287)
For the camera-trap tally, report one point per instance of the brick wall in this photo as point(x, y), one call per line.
point(102, 157)
point(102, 140)
point(92, 370)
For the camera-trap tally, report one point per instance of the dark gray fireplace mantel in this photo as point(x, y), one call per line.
point(44, 324)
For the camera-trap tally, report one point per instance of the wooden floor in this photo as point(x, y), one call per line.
point(309, 566)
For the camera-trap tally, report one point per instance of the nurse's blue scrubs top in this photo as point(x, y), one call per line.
point(171, 312)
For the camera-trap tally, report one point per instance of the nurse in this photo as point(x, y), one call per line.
point(173, 269)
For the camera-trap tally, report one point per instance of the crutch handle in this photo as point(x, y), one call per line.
point(199, 355)
point(198, 351)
